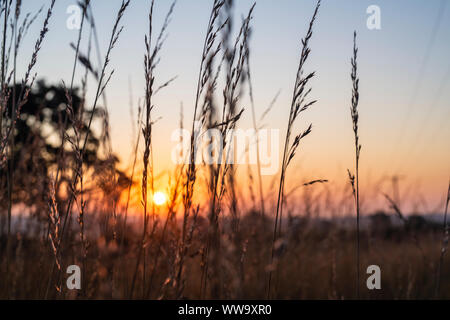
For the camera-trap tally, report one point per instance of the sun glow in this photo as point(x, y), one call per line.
point(159, 198)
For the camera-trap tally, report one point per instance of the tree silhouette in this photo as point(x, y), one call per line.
point(43, 123)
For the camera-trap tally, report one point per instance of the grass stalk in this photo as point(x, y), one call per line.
point(298, 105)
point(150, 62)
point(204, 76)
point(355, 179)
point(102, 83)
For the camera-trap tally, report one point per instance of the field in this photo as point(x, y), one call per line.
point(78, 223)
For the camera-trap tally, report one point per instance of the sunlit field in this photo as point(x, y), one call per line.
point(224, 150)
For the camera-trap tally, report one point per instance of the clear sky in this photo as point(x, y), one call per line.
point(404, 80)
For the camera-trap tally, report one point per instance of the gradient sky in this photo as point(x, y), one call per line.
point(404, 71)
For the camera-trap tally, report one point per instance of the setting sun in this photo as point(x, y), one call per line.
point(159, 198)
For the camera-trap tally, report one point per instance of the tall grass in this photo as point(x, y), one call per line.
point(222, 172)
point(298, 105)
point(84, 6)
point(354, 180)
point(18, 101)
point(102, 83)
point(150, 62)
point(202, 243)
point(205, 77)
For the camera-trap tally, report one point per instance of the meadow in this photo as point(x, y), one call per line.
point(211, 233)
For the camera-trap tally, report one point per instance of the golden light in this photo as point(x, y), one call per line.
point(159, 198)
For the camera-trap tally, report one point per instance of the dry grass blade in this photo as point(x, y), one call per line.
point(8, 139)
point(222, 173)
point(205, 77)
point(101, 86)
point(54, 225)
point(393, 205)
point(256, 128)
point(150, 62)
point(396, 209)
point(355, 179)
point(315, 181)
point(28, 79)
point(298, 105)
point(76, 118)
